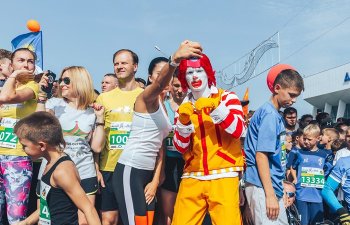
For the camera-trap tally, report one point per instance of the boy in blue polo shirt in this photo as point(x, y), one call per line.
point(265, 151)
point(310, 165)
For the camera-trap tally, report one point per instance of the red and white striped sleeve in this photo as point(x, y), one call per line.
point(229, 114)
point(182, 135)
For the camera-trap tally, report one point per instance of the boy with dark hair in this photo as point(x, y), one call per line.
point(264, 148)
point(60, 192)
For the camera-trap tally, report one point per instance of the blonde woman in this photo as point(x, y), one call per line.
point(82, 123)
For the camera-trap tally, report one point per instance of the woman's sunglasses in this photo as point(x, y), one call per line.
point(65, 80)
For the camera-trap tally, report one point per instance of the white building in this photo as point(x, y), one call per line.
point(329, 91)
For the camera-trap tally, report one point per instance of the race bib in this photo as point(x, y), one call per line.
point(44, 216)
point(7, 137)
point(312, 177)
point(169, 142)
point(283, 150)
point(118, 135)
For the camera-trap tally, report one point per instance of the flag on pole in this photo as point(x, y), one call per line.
point(34, 42)
point(245, 102)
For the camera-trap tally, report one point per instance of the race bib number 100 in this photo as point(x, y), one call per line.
point(312, 177)
point(7, 137)
point(119, 134)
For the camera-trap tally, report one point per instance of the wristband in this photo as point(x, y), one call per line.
point(99, 124)
point(172, 62)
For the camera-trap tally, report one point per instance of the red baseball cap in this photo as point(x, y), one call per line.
point(273, 73)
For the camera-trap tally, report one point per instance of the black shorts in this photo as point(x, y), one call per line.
point(108, 201)
point(173, 172)
point(129, 184)
point(89, 185)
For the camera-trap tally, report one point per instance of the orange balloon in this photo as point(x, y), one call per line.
point(33, 25)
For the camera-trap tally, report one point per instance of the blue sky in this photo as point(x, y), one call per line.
point(87, 33)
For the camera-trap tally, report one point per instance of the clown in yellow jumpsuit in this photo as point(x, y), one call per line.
point(208, 127)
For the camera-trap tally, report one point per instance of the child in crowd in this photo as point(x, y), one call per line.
point(328, 213)
point(340, 176)
point(298, 143)
point(288, 145)
point(60, 192)
point(263, 145)
point(329, 135)
point(310, 177)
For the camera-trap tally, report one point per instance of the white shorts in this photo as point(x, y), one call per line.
point(257, 203)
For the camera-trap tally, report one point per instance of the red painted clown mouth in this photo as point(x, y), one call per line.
point(196, 84)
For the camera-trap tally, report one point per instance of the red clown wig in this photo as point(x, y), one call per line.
point(203, 62)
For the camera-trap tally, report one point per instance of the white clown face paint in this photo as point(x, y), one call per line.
point(197, 81)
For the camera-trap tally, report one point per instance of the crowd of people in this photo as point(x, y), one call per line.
point(176, 149)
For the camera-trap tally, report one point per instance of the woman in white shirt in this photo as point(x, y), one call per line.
point(82, 123)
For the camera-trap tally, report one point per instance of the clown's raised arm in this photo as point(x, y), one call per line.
point(206, 109)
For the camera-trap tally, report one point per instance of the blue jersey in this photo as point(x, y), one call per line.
point(292, 156)
point(310, 174)
point(266, 133)
point(170, 149)
point(341, 174)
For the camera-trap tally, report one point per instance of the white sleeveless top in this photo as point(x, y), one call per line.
point(148, 130)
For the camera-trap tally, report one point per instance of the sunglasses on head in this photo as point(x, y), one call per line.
point(65, 80)
point(290, 194)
